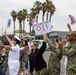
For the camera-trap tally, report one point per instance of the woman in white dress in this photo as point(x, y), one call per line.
point(14, 53)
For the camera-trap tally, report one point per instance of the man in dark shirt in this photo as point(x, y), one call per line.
point(36, 60)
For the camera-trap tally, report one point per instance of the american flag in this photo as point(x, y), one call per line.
point(33, 20)
point(73, 19)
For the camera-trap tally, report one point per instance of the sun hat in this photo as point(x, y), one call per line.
point(17, 38)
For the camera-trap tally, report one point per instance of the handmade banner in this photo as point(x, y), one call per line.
point(9, 23)
point(43, 27)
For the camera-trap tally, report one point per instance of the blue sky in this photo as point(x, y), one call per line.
point(59, 19)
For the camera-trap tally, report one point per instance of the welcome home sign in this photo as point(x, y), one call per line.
point(43, 27)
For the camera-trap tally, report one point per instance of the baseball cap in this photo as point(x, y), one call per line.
point(36, 44)
point(72, 33)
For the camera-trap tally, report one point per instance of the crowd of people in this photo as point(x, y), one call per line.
point(19, 52)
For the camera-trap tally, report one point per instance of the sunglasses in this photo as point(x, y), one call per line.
point(21, 39)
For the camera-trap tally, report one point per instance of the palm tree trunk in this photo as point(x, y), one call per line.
point(30, 26)
point(50, 17)
point(23, 26)
point(21, 29)
point(43, 17)
point(47, 16)
point(37, 18)
point(14, 27)
point(30, 29)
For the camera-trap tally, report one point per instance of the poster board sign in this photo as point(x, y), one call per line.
point(43, 27)
point(9, 23)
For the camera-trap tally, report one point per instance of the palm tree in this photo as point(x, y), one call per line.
point(14, 15)
point(49, 3)
point(43, 10)
point(20, 18)
point(33, 13)
point(24, 17)
point(30, 16)
point(37, 6)
point(50, 8)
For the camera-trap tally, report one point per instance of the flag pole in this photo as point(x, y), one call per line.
point(69, 26)
point(68, 21)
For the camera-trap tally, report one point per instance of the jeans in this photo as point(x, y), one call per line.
point(26, 64)
point(1, 71)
